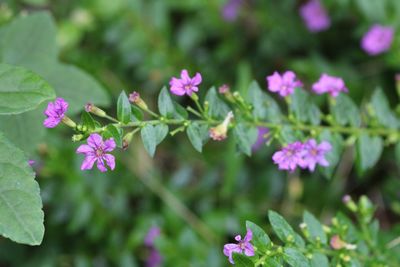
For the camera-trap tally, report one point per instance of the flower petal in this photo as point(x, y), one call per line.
point(88, 162)
point(197, 79)
point(51, 122)
point(109, 145)
point(95, 140)
point(110, 160)
point(100, 165)
point(85, 149)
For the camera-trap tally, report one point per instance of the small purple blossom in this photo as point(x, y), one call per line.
point(315, 16)
point(243, 246)
point(329, 84)
point(314, 154)
point(31, 162)
point(55, 112)
point(152, 234)
point(261, 138)
point(185, 85)
point(377, 40)
point(289, 157)
point(283, 84)
point(95, 150)
point(230, 10)
point(154, 259)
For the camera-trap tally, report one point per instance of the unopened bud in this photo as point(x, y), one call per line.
point(77, 137)
point(89, 107)
point(348, 201)
point(219, 132)
point(127, 140)
point(135, 98)
point(226, 92)
point(194, 96)
point(67, 121)
point(337, 244)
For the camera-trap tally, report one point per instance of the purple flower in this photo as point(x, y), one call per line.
point(31, 162)
point(289, 157)
point(242, 246)
point(377, 40)
point(96, 150)
point(152, 234)
point(314, 154)
point(185, 85)
point(283, 84)
point(315, 16)
point(55, 112)
point(230, 10)
point(261, 139)
point(329, 84)
point(154, 259)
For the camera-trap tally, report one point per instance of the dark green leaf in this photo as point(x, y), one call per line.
point(124, 109)
point(217, 108)
point(283, 229)
point(369, 150)
point(245, 137)
point(295, 258)
point(136, 114)
point(149, 139)
point(383, 113)
point(334, 155)
point(260, 238)
point(161, 131)
point(165, 104)
point(314, 227)
point(345, 112)
point(397, 153)
point(264, 106)
point(242, 260)
point(88, 121)
point(319, 260)
point(288, 135)
point(299, 105)
point(197, 134)
point(113, 132)
point(181, 112)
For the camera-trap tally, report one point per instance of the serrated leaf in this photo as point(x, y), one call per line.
point(283, 229)
point(241, 260)
point(197, 134)
point(165, 104)
point(319, 260)
point(383, 113)
point(245, 137)
point(260, 238)
point(264, 106)
point(21, 90)
point(217, 108)
point(314, 228)
point(149, 139)
point(295, 258)
point(21, 215)
point(369, 150)
point(88, 121)
point(333, 157)
point(161, 131)
point(114, 132)
point(345, 111)
point(124, 109)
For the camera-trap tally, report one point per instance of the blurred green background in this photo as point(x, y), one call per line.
point(95, 219)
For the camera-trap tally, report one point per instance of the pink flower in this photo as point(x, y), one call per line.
point(185, 85)
point(377, 40)
point(243, 246)
point(231, 9)
point(314, 154)
point(329, 84)
point(55, 112)
point(95, 150)
point(289, 157)
point(283, 84)
point(315, 16)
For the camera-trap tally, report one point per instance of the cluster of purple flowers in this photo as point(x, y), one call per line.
point(285, 84)
point(243, 246)
point(304, 155)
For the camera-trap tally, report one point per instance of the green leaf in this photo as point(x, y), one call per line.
point(149, 139)
point(217, 108)
point(165, 104)
point(197, 134)
point(397, 153)
point(124, 109)
point(283, 229)
point(21, 215)
point(264, 106)
point(181, 112)
point(21, 90)
point(314, 228)
point(241, 260)
point(382, 111)
point(30, 41)
point(319, 260)
point(113, 132)
point(369, 150)
point(345, 111)
point(136, 114)
point(288, 135)
point(303, 108)
point(333, 157)
point(245, 137)
point(260, 238)
point(161, 131)
point(295, 258)
point(88, 121)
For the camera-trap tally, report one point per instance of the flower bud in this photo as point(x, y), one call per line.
point(219, 132)
point(67, 121)
point(89, 107)
point(226, 91)
point(127, 140)
point(77, 137)
point(337, 244)
point(135, 98)
point(348, 201)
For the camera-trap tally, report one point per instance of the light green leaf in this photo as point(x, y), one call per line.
point(113, 132)
point(314, 227)
point(241, 260)
point(283, 229)
point(21, 215)
point(149, 139)
point(333, 157)
point(303, 108)
point(165, 104)
point(369, 150)
point(88, 121)
point(382, 111)
point(197, 134)
point(260, 238)
point(295, 258)
point(124, 109)
point(21, 90)
point(245, 137)
point(161, 131)
point(319, 260)
point(264, 106)
point(345, 111)
point(217, 108)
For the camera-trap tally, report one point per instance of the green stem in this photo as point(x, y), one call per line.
point(111, 119)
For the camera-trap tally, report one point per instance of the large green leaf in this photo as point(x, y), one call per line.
point(197, 134)
point(333, 156)
point(345, 111)
point(260, 238)
point(245, 137)
point(314, 228)
point(21, 90)
point(242, 260)
point(217, 108)
point(283, 229)
point(369, 150)
point(149, 139)
point(264, 106)
point(21, 215)
point(124, 109)
point(295, 258)
point(382, 111)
